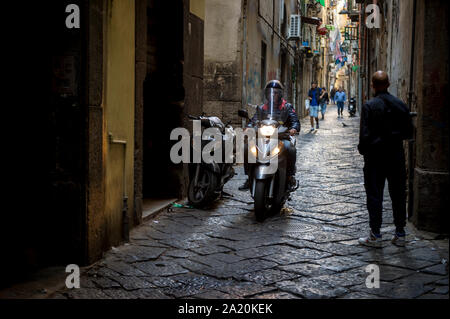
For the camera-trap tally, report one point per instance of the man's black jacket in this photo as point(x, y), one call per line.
point(284, 113)
point(385, 123)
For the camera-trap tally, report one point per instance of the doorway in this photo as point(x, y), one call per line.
point(163, 101)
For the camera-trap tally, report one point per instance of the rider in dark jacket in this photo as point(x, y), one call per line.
point(285, 113)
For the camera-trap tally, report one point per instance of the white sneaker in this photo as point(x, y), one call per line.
point(371, 241)
point(312, 129)
point(399, 239)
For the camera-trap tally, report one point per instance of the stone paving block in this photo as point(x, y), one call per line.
point(306, 269)
point(269, 276)
point(246, 289)
point(337, 208)
point(443, 282)
point(311, 288)
point(162, 282)
point(345, 279)
point(443, 290)
point(258, 252)
point(133, 283)
point(255, 243)
point(179, 253)
point(210, 249)
point(321, 237)
point(210, 262)
point(427, 253)
point(180, 243)
point(419, 278)
point(132, 253)
point(250, 265)
point(359, 295)
point(124, 269)
point(292, 256)
point(339, 263)
point(388, 273)
point(147, 243)
point(160, 268)
point(103, 282)
point(276, 295)
point(149, 294)
point(229, 258)
point(440, 269)
point(406, 261)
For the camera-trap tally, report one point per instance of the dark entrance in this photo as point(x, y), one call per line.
point(46, 226)
point(163, 101)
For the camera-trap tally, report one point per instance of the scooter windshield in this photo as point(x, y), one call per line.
point(273, 101)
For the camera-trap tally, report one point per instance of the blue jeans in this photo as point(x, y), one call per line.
point(340, 106)
point(323, 108)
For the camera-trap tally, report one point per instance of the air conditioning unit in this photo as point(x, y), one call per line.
point(294, 27)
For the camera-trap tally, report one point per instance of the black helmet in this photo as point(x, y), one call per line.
point(274, 84)
point(272, 88)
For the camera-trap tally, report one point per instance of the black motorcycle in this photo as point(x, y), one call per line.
point(208, 179)
point(268, 178)
point(352, 107)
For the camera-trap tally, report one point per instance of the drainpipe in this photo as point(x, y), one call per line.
point(244, 62)
point(125, 223)
point(410, 103)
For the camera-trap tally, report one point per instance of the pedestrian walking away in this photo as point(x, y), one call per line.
point(324, 100)
point(314, 97)
point(332, 94)
point(385, 123)
point(340, 98)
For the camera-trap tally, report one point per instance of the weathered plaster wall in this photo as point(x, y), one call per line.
point(119, 104)
point(222, 70)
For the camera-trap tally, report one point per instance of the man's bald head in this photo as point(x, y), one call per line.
point(380, 81)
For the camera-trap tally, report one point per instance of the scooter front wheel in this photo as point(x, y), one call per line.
point(262, 205)
point(202, 193)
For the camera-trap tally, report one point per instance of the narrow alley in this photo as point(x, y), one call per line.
point(310, 250)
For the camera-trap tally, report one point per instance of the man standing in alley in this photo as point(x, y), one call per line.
point(314, 97)
point(385, 123)
point(340, 99)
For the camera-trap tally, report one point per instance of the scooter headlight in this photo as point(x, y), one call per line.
point(254, 150)
point(277, 150)
point(267, 130)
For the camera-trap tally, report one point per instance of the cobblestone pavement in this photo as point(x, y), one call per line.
point(308, 251)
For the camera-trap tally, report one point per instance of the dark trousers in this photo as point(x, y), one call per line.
point(379, 166)
point(340, 107)
point(291, 158)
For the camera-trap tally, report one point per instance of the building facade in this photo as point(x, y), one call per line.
point(113, 87)
point(413, 49)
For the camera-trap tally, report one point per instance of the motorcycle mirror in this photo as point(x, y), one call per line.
point(243, 113)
